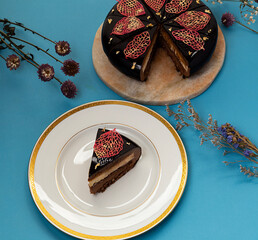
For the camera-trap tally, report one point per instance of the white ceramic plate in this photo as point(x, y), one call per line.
point(59, 166)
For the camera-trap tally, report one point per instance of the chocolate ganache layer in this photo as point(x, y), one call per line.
point(133, 29)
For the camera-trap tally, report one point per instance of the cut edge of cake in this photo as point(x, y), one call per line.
point(175, 54)
point(149, 56)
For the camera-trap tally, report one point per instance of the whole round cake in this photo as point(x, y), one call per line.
point(133, 29)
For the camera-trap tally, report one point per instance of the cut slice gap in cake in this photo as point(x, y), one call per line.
point(162, 38)
point(177, 57)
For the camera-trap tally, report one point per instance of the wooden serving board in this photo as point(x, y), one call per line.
point(165, 85)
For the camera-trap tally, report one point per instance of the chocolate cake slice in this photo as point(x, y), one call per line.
point(113, 156)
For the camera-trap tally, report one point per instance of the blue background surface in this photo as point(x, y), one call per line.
point(218, 202)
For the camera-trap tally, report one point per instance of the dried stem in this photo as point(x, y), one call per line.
point(13, 49)
point(245, 3)
point(2, 57)
point(246, 26)
point(26, 29)
point(237, 151)
point(38, 48)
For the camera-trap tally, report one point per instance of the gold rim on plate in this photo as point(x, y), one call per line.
point(69, 231)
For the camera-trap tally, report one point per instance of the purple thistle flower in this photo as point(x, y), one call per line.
point(247, 152)
point(13, 62)
point(70, 67)
point(46, 72)
point(69, 89)
point(62, 48)
point(228, 19)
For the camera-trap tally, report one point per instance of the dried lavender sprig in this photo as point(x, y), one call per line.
point(248, 11)
point(38, 48)
point(26, 29)
point(210, 133)
point(246, 26)
point(239, 152)
point(246, 3)
point(248, 171)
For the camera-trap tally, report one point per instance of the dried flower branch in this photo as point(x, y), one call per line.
point(223, 137)
point(8, 23)
point(38, 48)
point(248, 11)
point(45, 71)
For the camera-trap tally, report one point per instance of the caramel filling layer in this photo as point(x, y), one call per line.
point(147, 59)
point(172, 47)
point(111, 170)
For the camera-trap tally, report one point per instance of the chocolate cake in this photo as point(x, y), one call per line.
point(133, 29)
point(113, 156)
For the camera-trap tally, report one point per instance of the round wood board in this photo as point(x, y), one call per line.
point(165, 85)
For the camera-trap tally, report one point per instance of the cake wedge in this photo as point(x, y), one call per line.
point(113, 156)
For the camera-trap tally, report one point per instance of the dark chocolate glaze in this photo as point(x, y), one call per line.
point(112, 18)
point(125, 65)
point(162, 19)
point(127, 146)
point(166, 17)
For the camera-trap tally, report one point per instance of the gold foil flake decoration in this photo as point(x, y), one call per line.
point(128, 143)
point(112, 10)
point(98, 164)
point(189, 53)
point(177, 6)
point(138, 45)
point(170, 29)
point(207, 11)
point(117, 52)
point(158, 14)
point(149, 25)
point(190, 38)
point(164, 17)
point(133, 67)
point(104, 129)
point(130, 8)
point(198, 1)
point(110, 40)
point(205, 38)
point(209, 31)
point(156, 5)
point(148, 17)
point(193, 20)
point(110, 20)
point(127, 25)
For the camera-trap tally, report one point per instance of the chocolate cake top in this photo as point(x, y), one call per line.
point(130, 27)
